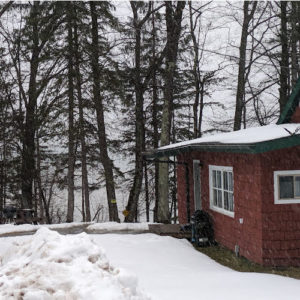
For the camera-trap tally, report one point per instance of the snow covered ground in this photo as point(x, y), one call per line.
point(78, 267)
point(171, 269)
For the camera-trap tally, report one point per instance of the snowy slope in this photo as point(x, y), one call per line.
point(171, 269)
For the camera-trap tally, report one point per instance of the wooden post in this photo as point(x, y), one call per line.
point(187, 180)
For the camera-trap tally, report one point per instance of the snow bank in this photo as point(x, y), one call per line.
point(88, 226)
point(48, 265)
point(10, 228)
point(114, 226)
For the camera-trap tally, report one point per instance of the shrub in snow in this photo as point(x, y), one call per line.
point(53, 266)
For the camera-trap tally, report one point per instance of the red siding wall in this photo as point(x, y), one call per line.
point(228, 231)
point(281, 222)
point(269, 234)
point(296, 116)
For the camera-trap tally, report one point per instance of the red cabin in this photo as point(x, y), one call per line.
point(249, 182)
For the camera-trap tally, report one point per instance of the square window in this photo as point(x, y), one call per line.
point(221, 189)
point(287, 187)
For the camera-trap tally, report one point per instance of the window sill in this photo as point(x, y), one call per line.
point(222, 211)
point(287, 201)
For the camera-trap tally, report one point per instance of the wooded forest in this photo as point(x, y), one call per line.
point(87, 87)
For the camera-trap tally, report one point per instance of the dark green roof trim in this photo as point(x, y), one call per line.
point(291, 105)
point(253, 148)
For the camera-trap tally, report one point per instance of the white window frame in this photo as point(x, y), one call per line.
point(276, 186)
point(211, 201)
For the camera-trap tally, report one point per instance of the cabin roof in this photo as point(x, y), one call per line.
point(251, 140)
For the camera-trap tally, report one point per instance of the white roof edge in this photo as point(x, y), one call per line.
point(244, 136)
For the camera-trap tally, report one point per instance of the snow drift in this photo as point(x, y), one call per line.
point(52, 266)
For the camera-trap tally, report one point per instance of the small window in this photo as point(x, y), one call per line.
point(287, 187)
point(221, 189)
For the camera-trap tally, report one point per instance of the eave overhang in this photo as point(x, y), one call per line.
point(251, 148)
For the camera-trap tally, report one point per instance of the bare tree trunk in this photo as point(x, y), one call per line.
point(202, 84)
point(71, 133)
point(38, 177)
point(86, 213)
point(140, 87)
point(294, 41)
point(44, 207)
point(173, 21)
point(28, 165)
point(196, 72)
point(147, 200)
point(104, 158)
point(139, 123)
point(240, 94)
point(284, 62)
point(155, 137)
point(3, 175)
point(2, 182)
point(195, 111)
point(35, 197)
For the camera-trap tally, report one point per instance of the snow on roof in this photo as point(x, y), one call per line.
point(243, 136)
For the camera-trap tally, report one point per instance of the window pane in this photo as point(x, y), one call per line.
point(215, 197)
point(297, 186)
point(230, 181)
point(225, 180)
point(286, 187)
point(219, 198)
point(230, 201)
point(214, 178)
point(219, 178)
point(226, 204)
